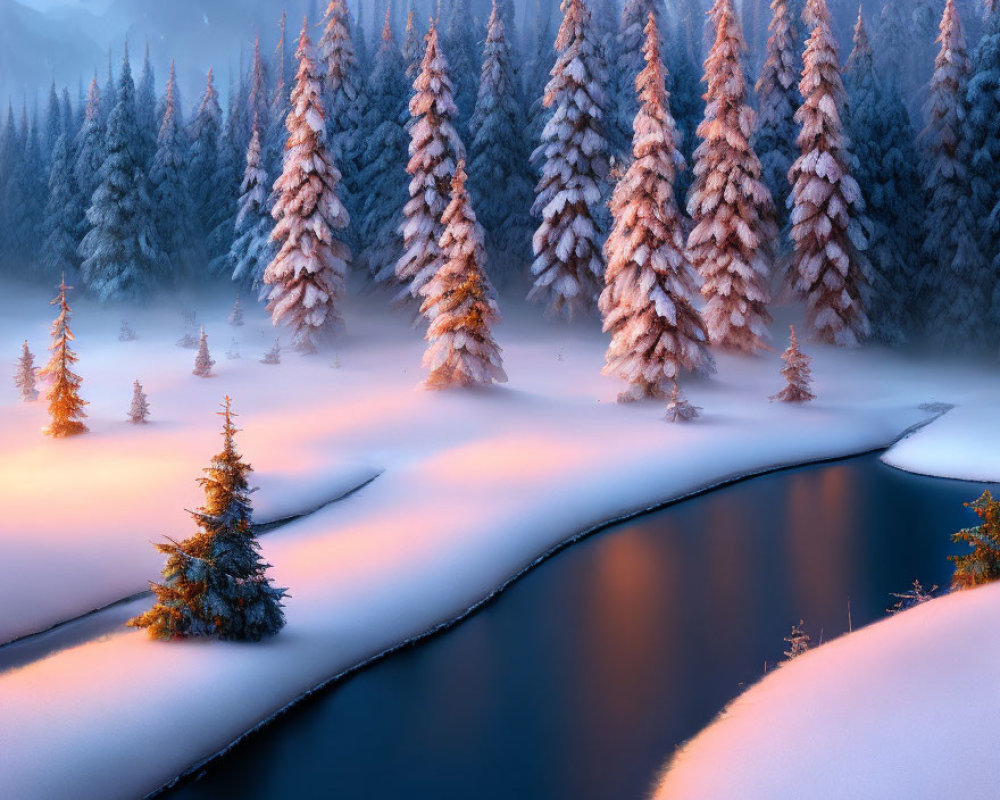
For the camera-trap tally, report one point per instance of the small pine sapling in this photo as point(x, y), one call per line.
point(678, 407)
point(273, 356)
point(65, 405)
point(236, 317)
point(916, 596)
point(203, 361)
point(24, 378)
point(126, 334)
point(138, 412)
point(798, 641)
point(982, 565)
point(190, 338)
point(798, 374)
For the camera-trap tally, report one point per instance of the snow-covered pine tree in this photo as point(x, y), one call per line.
point(308, 273)
point(280, 106)
point(252, 249)
point(66, 412)
point(145, 112)
point(886, 170)
point(28, 190)
point(258, 104)
point(459, 302)
point(982, 565)
point(413, 49)
point(202, 165)
point(536, 76)
point(435, 148)
point(459, 46)
point(109, 94)
point(679, 408)
point(798, 641)
point(778, 97)
point(630, 62)
point(10, 152)
point(236, 315)
point(734, 231)
point(122, 258)
point(169, 189)
point(273, 356)
point(25, 377)
point(203, 362)
point(950, 283)
point(215, 583)
point(656, 333)
point(382, 161)
point(797, 373)
point(569, 264)
point(53, 125)
point(982, 138)
point(90, 154)
point(829, 267)
point(499, 171)
point(138, 411)
point(61, 226)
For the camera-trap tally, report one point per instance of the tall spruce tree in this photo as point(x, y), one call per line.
point(203, 163)
point(306, 277)
point(733, 237)
point(27, 192)
point(280, 105)
point(568, 262)
point(435, 149)
point(413, 49)
point(778, 97)
point(90, 154)
point(252, 249)
point(62, 223)
point(656, 333)
point(145, 112)
point(169, 189)
point(630, 62)
point(499, 173)
point(829, 265)
point(53, 125)
point(66, 412)
point(215, 583)
point(382, 161)
point(226, 182)
point(122, 259)
point(460, 49)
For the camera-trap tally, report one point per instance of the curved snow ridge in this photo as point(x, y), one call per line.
point(906, 707)
point(964, 443)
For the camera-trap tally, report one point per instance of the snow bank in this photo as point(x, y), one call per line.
point(907, 707)
point(477, 486)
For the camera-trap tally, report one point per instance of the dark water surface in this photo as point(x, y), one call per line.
point(584, 676)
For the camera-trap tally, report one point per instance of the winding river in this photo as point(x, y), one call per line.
point(581, 679)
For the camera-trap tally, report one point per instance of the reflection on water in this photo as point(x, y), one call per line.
point(585, 675)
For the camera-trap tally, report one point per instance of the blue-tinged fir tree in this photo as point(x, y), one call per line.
point(276, 134)
point(228, 176)
point(27, 192)
point(459, 45)
point(204, 134)
point(382, 161)
point(109, 94)
point(252, 249)
point(413, 49)
point(122, 260)
point(69, 126)
point(215, 583)
point(500, 171)
point(951, 282)
point(61, 222)
point(145, 109)
point(886, 170)
point(53, 124)
point(90, 153)
point(540, 62)
point(169, 189)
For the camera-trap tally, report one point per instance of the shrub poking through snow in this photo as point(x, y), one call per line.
point(215, 583)
point(798, 374)
point(306, 277)
point(982, 565)
point(916, 596)
point(273, 356)
point(678, 407)
point(138, 412)
point(203, 361)
point(459, 302)
point(656, 333)
point(798, 641)
point(65, 405)
point(126, 334)
point(24, 378)
point(236, 317)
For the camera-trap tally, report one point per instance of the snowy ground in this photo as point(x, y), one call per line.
point(473, 488)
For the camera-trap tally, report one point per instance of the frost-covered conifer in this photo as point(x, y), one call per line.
point(950, 288)
point(435, 148)
point(797, 373)
point(109, 94)
point(230, 166)
point(62, 226)
point(656, 333)
point(982, 139)
point(27, 191)
point(307, 275)
point(679, 408)
point(541, 59)
point(413, 49)
point(215, 583)
point(90, 153)
point(382, 161)
point(236, 315)
point(169, 189)
point(273, 356)
point(122, 258)
point(203, 162)
point(568, 262)
point(982, 565)
point(459, 46)
point(277, 135)
point(459, 302)
point(203, 361)
point(253, 250)
point(66, 412)
point(145, 112)
point(630, 62)
point(778, 97)
point(798, 641)
point(138, 411)
point(25, 376)
point(829, 266)
point(734, 231)
point(886, 171)
point(499, 172)
point(53, 124)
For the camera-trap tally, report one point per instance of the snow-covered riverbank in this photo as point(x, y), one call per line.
point(475, 487)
